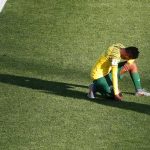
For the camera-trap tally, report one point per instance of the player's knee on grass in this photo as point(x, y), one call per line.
point(104, 87)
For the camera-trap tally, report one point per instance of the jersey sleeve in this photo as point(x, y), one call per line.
point(114, 57)
point(115, 79)
point(115, 76)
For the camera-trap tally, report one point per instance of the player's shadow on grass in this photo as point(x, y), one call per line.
point(67, 90)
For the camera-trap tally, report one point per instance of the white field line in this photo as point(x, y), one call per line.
point(2, 4)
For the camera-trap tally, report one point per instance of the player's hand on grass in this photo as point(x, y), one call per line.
point(118, 97)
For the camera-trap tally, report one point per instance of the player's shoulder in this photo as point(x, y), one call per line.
point(115, 48)
point(114, 51)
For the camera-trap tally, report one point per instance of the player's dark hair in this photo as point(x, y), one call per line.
point(133, 52)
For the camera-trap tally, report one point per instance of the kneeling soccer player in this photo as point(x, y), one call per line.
point(109, 68)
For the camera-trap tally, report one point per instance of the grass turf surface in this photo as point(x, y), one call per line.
point(47, 49)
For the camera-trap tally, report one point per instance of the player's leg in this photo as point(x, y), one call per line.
point(104, 86)
point(133, 70)
point(122, 69)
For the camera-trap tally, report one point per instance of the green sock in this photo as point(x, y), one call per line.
point(136, 80)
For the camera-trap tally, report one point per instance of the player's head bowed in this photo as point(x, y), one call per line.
point(132, 52)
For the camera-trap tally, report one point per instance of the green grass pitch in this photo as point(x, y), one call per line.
point(47, 49)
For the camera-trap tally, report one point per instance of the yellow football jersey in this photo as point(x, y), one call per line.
point(104, 64)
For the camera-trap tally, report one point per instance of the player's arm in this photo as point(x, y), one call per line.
point(115, 79)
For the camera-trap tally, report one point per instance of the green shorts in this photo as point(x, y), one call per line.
point(104, 84)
